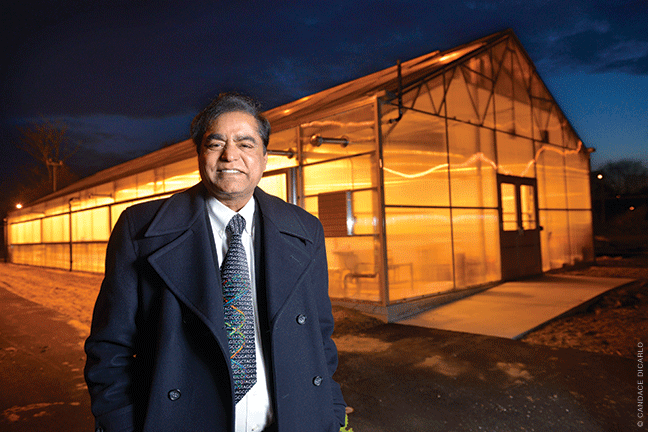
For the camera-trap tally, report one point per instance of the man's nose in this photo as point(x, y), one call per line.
point(230, 152)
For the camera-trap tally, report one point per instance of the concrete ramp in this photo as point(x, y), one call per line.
point(513, 309)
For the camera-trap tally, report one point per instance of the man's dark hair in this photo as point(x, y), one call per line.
point(225, 103)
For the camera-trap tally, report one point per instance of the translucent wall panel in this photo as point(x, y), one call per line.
point(580, 231)
point(25, 232)
point(464, 101)
point(472, 165)
point(521, 99)
point(353, 272)
point(181, 175)
point(578, 180)
point(555, 127)
point(57, 256)
point(551, 178)
point(284, 141)
point(146, 184)
point(364, 211)
point(91, 225)
point(429, 98)
point(476, 247)
point(419, 252)
point(515, 155)
point(56, 229)
point(117, 209)
point(343, 174)
point(56, 206)
point(126, 188)
point(416, 161)
point(89, 257)
point(469, 95)
point(504, 106)
point(27, 254)
point(357, 126)
point(275, 185)
point(554, 239)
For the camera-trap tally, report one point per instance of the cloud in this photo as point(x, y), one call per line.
point(594, 40)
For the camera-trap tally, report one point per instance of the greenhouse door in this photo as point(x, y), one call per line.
point(519, 229)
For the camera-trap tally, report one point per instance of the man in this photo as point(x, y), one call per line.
point(170, 346)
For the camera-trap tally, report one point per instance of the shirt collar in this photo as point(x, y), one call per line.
point(221, 214)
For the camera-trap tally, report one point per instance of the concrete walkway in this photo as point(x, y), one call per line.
point(513, 309)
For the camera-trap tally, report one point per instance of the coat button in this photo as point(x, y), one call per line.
point(301, 319)
point(317, 380)
point(99, 429)
point(174, 395)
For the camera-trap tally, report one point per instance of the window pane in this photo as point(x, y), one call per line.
point(476, 246)
point(416, 161)
point(419, 252)
point(509, 207)
point(527, 204)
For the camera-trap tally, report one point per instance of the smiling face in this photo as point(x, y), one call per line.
point(232, 158)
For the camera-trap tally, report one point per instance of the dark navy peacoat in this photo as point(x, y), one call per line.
point(157, 352)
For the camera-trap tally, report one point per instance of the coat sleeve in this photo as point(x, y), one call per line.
point(326, 322)
point(110, 346)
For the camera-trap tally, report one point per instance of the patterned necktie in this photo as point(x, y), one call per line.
point(239, 310)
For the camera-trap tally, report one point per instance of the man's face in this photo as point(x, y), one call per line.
point(232, 158)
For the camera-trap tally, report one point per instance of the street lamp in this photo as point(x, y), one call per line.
point(18, 206)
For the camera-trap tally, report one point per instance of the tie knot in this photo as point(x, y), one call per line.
point(236, 225)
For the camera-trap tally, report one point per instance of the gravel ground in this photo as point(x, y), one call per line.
point(612, 325)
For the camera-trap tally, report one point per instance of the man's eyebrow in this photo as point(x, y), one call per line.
point(214, 137)
point(245, 138)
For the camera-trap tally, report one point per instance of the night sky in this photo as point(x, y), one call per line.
point(127, 77)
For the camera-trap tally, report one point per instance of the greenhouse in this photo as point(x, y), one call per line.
point(434, 178)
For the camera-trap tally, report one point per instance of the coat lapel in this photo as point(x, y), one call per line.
point(187, 263)
point(285, 256)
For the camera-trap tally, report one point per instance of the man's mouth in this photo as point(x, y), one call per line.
point(229, 171)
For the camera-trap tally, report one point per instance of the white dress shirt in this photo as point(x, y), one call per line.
point(254, 411)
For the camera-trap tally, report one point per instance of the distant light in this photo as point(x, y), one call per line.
point(18, 206)
point(631, 208)
point(600, 176)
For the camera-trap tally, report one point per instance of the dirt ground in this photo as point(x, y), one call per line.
point(611, 325)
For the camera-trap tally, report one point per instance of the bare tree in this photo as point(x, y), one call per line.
point(47, 142)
